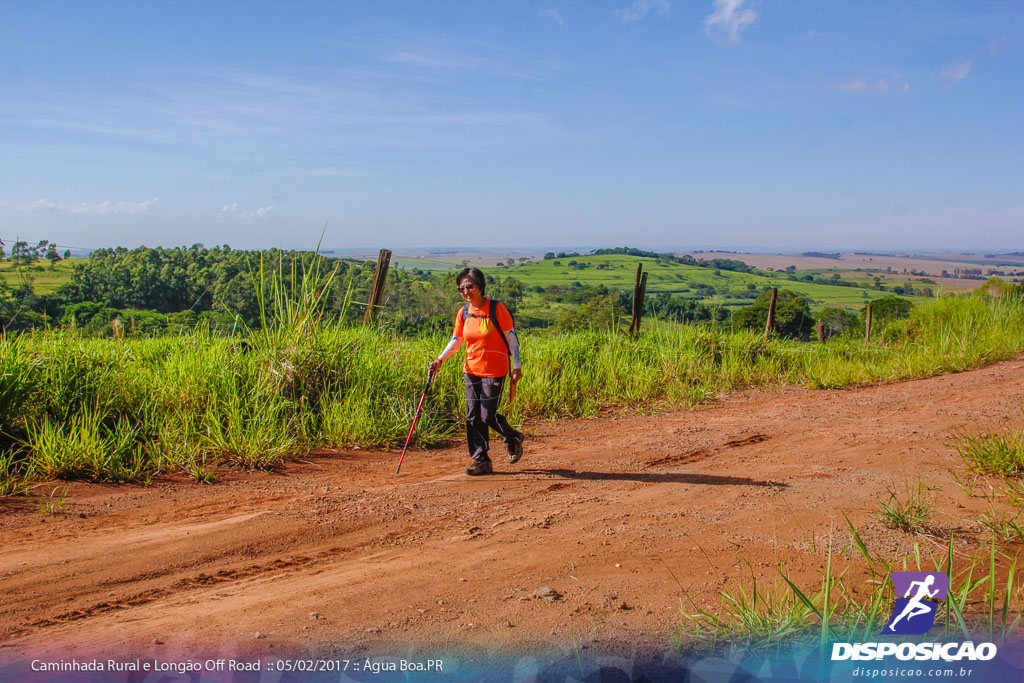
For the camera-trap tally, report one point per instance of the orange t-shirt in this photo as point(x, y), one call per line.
point(486, 355)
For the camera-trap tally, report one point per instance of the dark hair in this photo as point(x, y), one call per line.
point(473, 274)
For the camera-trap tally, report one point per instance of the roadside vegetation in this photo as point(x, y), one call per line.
point(995, 471)
point(266, 360)
point(851, 601)
point(128, 408)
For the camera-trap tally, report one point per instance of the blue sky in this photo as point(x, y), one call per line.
point(661, 123)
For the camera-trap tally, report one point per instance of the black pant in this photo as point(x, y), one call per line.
point(482, 397)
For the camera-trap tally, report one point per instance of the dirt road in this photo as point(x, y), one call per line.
point(597, 534)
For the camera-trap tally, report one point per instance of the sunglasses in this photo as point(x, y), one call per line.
point(467, 288)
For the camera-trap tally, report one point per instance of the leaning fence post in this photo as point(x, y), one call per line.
point(634, 324)
point(867, 325)
point(640, 304)
point(771, 313)
point(380, 276)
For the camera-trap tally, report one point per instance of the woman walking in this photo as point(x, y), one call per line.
point(486, 327)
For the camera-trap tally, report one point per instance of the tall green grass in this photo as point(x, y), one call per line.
point(304, 381)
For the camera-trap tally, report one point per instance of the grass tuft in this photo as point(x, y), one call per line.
point(1000, 454)
point(909, 513)
point(16, 477)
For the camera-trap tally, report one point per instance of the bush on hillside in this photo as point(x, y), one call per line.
point(793, 317)
point(837, 320)
point(889, 308)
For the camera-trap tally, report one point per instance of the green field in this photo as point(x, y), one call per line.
point(44, 279)
point(619, 272)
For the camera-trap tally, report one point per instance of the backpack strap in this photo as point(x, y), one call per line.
point(493, 315)
point(493, 312)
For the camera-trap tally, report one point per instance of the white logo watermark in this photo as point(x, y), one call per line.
point(922, 652)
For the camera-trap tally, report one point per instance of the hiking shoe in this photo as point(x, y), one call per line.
point(479, 467)
point(515, 448)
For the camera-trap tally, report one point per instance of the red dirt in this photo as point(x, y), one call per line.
point(620, 515)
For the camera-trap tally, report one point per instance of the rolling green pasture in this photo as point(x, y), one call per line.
point(677, 278)
point(44, 279)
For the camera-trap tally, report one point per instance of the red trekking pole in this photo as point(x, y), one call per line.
point(419, 409)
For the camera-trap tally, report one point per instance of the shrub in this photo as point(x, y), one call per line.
point(793, 317)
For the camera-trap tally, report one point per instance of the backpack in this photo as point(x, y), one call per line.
point(493, 315)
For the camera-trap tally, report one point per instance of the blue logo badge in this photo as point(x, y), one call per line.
point(914, 613)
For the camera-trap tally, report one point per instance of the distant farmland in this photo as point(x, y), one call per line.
point(619, 271)
point(931, 265)
point(44, 278)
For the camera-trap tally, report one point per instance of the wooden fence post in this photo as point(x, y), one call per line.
point(638, 300)
point(380, 276)
point(640, 305)
point(820, 328)
point(771, 313)
point(867, 325)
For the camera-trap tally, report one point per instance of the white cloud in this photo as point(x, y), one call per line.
point(856, 87)
point(859, 86)
point(231, 211)
point(331, 172)
point(431, 61)
point(728, 19)
point(553, 15)
point(640, 8)
point(956, 72)
point(91, 208)
point(396, 105)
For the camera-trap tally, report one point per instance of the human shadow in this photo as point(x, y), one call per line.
point(654, 477)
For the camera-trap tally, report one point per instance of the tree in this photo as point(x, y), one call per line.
point(512, 293)
point(51, 255)
point(601, 312)
point(67, 254)
point(22, 254)
point(889, 308)
point(837, 320)
point(792, 314)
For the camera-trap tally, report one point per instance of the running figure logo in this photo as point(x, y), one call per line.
point(914, 613)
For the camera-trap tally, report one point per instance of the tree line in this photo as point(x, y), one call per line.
point(25, 254)
point(153, 289)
